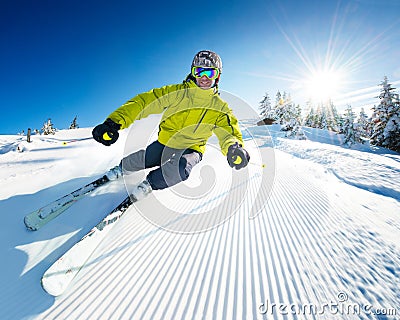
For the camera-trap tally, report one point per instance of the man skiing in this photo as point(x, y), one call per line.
point(192, 112)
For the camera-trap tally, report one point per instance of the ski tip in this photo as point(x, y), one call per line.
point(28, 225)
point(52, 288)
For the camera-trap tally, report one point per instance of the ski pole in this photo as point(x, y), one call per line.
point(76, 140)
point(262, 165)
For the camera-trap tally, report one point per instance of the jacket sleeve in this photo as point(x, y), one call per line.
point(227, 130)
point(144, 104)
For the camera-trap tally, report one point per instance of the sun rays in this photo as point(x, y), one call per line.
point(333, 64)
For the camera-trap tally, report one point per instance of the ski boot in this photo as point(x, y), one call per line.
point(141, 190)
point(114, 173)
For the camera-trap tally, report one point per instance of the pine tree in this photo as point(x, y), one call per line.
point(350, 129)
point(279, 106)
point(284, 110)
point(363, 124)
point(323, 121)
point(293, 126)
point(278, 99)
point(338, 121)
point(298, 113)
point(332, 117)
point(340, 124)
point(289, 116)
point(266, 110)
point(74, 124)
point(318, 117)
point(392, 130)
point(309, 119)
point(48, 128)
point(385, 118)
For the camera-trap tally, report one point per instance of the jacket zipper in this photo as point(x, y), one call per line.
point(201, 119)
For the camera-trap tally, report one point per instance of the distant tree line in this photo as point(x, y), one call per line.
point(49, 128)
point(382, 128)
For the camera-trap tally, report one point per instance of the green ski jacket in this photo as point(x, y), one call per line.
point(190, 116)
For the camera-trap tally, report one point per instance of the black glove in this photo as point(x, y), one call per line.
point(107, 132)
point(238, 157)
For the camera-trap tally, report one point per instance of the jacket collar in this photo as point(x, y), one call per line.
point(201, 92)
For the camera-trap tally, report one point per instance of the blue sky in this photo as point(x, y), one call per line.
point(63, 58)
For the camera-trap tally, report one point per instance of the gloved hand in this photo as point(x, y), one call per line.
point(237, 156)
point(107, 132)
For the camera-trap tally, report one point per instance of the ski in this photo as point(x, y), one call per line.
point(38, 218)
point(60, 274)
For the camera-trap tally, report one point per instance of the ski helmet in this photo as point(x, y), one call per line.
point(207, 59)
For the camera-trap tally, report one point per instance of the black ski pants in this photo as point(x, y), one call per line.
point(174, 165)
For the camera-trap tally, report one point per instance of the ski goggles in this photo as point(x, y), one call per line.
point(210, 73)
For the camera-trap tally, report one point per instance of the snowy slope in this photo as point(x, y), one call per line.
point(327, 238)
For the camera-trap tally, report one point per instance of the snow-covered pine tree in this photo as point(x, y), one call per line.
point(287, 110)
point(297, 112)
point(296, 132)
point(386, 114)
point(392, 130)
point(318, 117)
point(289, 116)
point(324, 117)
point(332, 117)
point(74, 124)
point(340, 123)
point(263, 106)
point(363, 124)
point(279, 105)
point(284, 110)
point(350, 129)
point(278, 98)
point(48, 128)
point(266, 109)
point(293, 125)
point(309, 120)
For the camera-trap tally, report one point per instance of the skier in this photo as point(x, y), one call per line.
point(192, 112)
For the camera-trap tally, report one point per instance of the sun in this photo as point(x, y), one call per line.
point(323, 85)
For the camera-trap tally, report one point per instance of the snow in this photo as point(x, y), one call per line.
point(327, 233)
